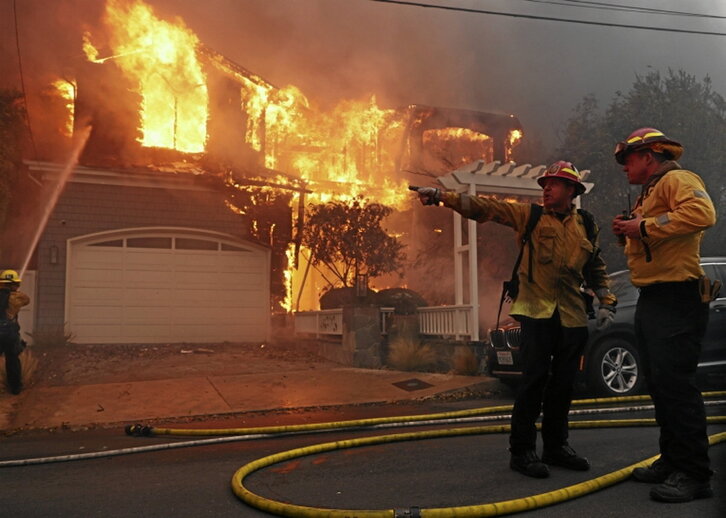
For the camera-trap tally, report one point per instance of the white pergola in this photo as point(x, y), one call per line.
point(486, 178)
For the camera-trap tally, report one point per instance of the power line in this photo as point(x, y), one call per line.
point(22, 80)
point(587, 3)
point(546, 18)
point(621, 7)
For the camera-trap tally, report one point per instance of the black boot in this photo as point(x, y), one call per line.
point(656, 473)
point(679, 487)
point(528, 463)
point(565, 457)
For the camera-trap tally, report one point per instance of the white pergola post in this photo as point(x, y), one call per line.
point(468, 250)
point(486, 178)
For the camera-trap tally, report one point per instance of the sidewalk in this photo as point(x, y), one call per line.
point(78, 406)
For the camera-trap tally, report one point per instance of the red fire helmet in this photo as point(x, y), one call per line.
point(648, 138)
point(566, 171)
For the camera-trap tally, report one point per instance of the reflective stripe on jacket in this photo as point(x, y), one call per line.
point(677, 209)
point(561, 250)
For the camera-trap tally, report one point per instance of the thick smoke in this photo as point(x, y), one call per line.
point(334, 50)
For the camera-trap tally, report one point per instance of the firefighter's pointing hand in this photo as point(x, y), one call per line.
point(429, 195)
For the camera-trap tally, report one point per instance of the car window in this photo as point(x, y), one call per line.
point(621, 286)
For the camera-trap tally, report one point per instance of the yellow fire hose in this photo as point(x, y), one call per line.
point(491, 509)
point(140, 430)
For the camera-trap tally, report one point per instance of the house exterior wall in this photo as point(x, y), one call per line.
point(85, 208)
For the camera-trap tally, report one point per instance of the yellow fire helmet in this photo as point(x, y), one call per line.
point(9, 277)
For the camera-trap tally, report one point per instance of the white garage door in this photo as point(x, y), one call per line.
point(167, 286)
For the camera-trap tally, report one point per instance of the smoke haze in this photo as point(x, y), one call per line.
point(334, 50)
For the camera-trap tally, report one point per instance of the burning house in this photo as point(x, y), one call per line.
point(178, 217)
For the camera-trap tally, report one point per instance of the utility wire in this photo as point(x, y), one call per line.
point(22, 80)
point(546, 18)
point(622, 7)
point(641, 9)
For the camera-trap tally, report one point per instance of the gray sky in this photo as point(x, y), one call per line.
point(343, 49)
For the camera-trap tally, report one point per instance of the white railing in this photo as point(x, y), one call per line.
point(452, 321)
point(445, 321)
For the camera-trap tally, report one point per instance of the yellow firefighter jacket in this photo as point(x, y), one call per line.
point(561, 250)
point(17, 300)
point(677, 209)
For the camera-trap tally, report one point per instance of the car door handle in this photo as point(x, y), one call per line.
point(719, 307)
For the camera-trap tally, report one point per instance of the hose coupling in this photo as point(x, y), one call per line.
point(412, 512)
point(138, 430)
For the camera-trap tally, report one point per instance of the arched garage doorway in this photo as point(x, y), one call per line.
point(166, 285)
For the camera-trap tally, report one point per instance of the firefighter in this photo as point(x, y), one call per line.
point(662, 246)
point(11, 300)
point(550, 308)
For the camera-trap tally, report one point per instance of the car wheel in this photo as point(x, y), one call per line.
point(615, 368)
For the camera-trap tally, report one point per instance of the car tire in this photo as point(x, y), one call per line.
point(615, 368)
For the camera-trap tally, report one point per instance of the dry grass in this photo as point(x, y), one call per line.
point(57, 336)
point(406, 354)
point(465, 362)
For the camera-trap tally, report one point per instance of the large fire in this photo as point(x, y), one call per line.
point(350, 151)
point(161, 57)
point(67, 91)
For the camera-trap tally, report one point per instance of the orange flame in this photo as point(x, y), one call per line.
point(512, 140)
point(161, 58)
point(67, 91)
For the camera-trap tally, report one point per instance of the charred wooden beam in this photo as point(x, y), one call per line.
point(229, 67)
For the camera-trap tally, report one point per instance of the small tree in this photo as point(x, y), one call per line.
point(12, 128)
point(349, 240)
point(13, 131)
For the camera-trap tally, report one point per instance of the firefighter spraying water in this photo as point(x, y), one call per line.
point(11, 300)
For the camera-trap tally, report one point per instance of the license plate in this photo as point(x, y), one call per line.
point(505, 358)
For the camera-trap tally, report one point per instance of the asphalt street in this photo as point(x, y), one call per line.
point(443, 472)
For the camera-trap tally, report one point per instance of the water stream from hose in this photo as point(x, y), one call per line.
point(81, 139)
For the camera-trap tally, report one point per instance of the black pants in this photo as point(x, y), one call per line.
point(10, 347)
point(670, 321)
point(550, 355)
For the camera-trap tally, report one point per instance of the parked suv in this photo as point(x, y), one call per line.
point(611, 363)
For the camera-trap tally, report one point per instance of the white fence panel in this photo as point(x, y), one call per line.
point(445, 321)
point(330, 321)
point(452, 321)
point(325, 322)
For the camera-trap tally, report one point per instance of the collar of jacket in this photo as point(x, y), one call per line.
point(572, 210)
point(665, 167)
